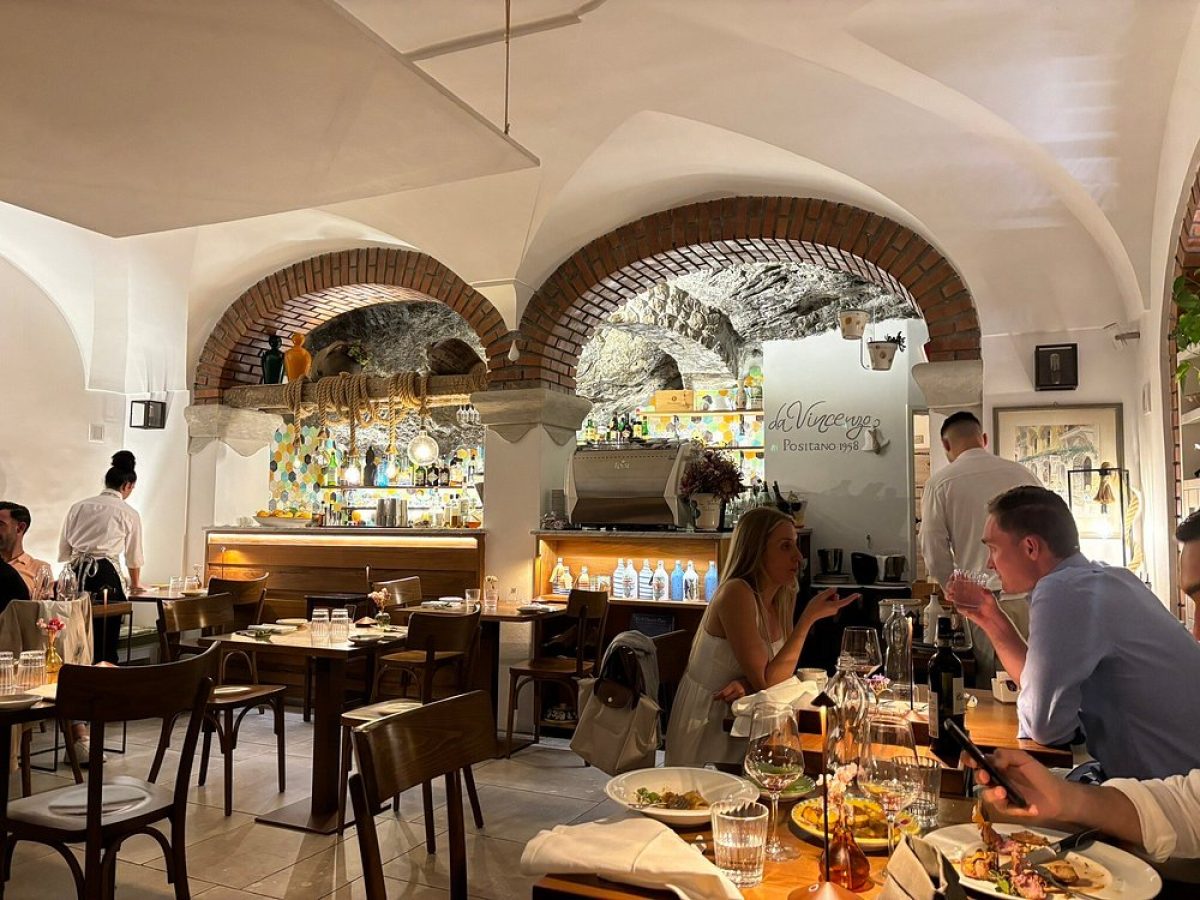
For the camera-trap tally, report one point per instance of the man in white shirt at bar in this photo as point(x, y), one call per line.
point(953, 513)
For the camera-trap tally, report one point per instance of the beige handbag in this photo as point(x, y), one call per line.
point(616, 739)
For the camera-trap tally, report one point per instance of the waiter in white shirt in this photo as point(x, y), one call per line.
point(953, 513)
point(97, 531)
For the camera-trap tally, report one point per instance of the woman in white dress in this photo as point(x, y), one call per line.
point(746, 641)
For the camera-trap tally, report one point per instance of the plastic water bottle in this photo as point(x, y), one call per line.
point(661, 585)
point(629, 588)
point(710, 581)
point(677, 581)
point(691, 583)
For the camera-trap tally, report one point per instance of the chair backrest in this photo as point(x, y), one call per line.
point(403, 591)
point(248, 596)
point(588, 607)
point(358, 603)
point(409, 748)
point(102, 694)
point(212, 613)
point(672, 649)
point(448, 632)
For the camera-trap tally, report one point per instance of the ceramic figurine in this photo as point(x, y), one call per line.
point(297, 360)
point(272, 362)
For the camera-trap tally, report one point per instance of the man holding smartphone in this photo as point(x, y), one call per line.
point(1103, 652)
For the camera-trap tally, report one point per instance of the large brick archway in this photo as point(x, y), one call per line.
point(303, 295)
point(600, 277)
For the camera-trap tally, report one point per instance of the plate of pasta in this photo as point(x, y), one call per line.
point(677, 795)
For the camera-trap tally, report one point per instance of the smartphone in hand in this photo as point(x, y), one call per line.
point(972, 750)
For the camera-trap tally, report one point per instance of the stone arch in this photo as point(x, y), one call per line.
point(702, 339)
point(303, 295)
point(598, 278)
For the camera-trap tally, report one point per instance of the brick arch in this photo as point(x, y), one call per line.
point(306, 294)
point(1187, 262)
point(598, 278)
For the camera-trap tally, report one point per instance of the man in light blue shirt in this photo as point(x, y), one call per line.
point(1104, 655)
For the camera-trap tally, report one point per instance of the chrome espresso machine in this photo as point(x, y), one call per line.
point(631, 485)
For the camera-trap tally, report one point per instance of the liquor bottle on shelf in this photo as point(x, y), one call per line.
point(618, 579)
point(456, 471)
point(626, 428)
point(677, 581)
point(470, 473)
point(645, 582)
point(568, 580)
point(585, 580)
point(464, 508)
point(691, 583)
point(645, 425)
point(447, 472)
point(660, 586)
point(556, 576)
point(589, 430)
point(710, 581)
point(629, 587)
point(947, 700)
point(420, 478)
point(437, 512)
point(611, 437)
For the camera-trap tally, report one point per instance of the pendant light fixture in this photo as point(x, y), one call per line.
point(423, 449)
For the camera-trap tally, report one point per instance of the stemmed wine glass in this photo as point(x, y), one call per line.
point(889, 772)
point(862, 645)
point(775, 760)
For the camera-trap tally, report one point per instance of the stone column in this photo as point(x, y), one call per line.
point(229, 466)
point(530, 434)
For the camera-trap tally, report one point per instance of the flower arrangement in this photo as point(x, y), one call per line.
point(840, 781)
point(712, 473)
point(52, 627)
point(379, 598)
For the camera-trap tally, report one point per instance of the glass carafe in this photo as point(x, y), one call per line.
point(897, 639)
point(847, 721)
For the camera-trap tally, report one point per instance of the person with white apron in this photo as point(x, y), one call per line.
point(96, 533)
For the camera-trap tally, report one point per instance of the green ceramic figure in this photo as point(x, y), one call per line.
point(272, 362)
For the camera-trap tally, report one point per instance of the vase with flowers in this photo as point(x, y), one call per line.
point(710, 481)
point(380, 599)
point(54, 661)
point(844, 860)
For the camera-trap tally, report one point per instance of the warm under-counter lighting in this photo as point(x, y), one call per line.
point(316, 538)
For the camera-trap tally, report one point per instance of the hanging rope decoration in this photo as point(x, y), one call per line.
point(347, 398)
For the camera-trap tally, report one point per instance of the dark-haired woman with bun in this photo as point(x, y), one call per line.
point(96, 533)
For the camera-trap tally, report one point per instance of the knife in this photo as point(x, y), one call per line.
point(1058, 849)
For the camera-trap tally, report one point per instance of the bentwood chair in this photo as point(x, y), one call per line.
point(672, 651)
point(589, 609)
point(437, 640)
point(413, 747)
point(248, 597)
point(102, 814)
point(216, 613)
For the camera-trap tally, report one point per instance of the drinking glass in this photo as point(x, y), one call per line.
point(472, 598)
point(491, 598)
point(198, 574)
point(339, 627)
point(739, 830)
point(862, 645)
point(925, 805)
point(775, 760)
point(43, 583)
point(8, 673)
point(888, 773)
point(319, 630)
point(191, 583)
point(31, 669)
point(175, 585)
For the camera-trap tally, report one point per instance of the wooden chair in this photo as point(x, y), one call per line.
point(672, 650)
point(437, 640)
point(404, 591)
point(589, 609)
point(216, 613)
point(248, 596)
point(76, 814)
point(413, 747)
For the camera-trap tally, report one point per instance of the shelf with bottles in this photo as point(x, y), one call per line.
point(347, 488)
point(689, 413)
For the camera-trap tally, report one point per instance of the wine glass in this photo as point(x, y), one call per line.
point(888, 771)
point(775, 760)
point(862, 644)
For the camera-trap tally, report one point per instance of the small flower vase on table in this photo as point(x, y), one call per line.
point(383, 618)
point(54, 661)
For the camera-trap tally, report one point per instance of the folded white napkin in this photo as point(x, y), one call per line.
point(637, 851)
point(793, 691)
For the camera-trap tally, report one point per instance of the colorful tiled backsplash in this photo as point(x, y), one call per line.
point(297, 466)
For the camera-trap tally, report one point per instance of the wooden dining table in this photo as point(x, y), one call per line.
point(318, 814)
point(43, 709)
point(780, 879)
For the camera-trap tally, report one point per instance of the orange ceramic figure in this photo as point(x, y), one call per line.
point(297, 360)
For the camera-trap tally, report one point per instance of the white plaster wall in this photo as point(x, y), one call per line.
point(46, 459)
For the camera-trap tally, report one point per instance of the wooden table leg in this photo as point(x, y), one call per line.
point(319, 814)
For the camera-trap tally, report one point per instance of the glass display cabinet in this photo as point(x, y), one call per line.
point(1099, 501)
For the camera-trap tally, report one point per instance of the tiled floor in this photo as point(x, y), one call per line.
point(234, 858)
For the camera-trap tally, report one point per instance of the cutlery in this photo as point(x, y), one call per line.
point(1059, 885)
point(1057, 849)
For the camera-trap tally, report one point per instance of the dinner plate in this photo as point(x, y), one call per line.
point(18, 701)
point(366, 638)
point(801, 787)
point(294, 623)
point(1129, 878)
point(711, 784)
point(870, 826)
point(273, 629)
point(194, 592)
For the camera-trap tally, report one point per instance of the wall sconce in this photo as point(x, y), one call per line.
point(147, 414)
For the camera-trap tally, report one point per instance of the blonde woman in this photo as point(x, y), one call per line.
point(746, 641)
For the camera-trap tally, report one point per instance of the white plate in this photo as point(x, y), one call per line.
point(1132, 878)
point(18, 701)
point(711, 784)
point(272, 629)
point(280, 522)
point(294, 623)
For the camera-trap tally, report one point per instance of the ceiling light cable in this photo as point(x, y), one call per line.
point(507, 36)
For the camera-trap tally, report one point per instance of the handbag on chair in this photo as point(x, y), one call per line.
point(618, 728)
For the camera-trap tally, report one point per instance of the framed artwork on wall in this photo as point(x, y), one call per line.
point(1052, 440)
point(1056, 367)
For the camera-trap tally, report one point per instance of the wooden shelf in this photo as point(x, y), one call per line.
point(395, 487)
point(752, 413)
